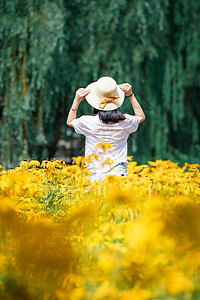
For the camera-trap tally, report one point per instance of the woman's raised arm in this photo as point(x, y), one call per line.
point(126, 87)
point(80, 95)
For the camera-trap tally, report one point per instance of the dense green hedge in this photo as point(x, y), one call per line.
point(50, 48)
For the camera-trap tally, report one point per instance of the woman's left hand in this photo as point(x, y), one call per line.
point(126, 88)
point(81, 94)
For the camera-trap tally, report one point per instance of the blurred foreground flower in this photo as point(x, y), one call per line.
point(63, 237)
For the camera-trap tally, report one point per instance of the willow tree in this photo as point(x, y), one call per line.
point(155, 46)
point(32, 77)
point(50, 48)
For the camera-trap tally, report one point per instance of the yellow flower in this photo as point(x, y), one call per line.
point(191, 167)
point(104, 146)
point(3, 264)
point(107, 161)
point(137, 292)
point(6, 205)
point(107, 262)
point(79, 161)
point(24, 164)
point(177, 282)
point(129, 158)
point(106, 291)
point(91, 157)
point(34, 163)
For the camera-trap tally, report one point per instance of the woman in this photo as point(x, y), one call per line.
point(107, 125)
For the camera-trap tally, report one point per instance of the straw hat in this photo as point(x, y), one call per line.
point(105, 94)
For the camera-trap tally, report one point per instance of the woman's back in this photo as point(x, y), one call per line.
point(115, 134)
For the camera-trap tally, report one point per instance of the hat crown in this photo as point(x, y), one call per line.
point(106, 87)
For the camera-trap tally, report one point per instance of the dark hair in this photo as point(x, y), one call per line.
point(107, 116)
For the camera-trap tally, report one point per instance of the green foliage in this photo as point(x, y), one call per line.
point(48, 49)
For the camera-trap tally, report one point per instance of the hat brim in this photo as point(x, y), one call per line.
point(93, 99)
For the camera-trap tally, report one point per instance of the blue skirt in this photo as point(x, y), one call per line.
point(118, 170)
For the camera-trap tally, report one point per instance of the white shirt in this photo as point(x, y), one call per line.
point(115, 134)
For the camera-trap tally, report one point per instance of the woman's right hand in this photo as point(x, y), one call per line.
point(126, 88)
point(81, 94)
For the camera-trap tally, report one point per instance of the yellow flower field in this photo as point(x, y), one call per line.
point(127, 238)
